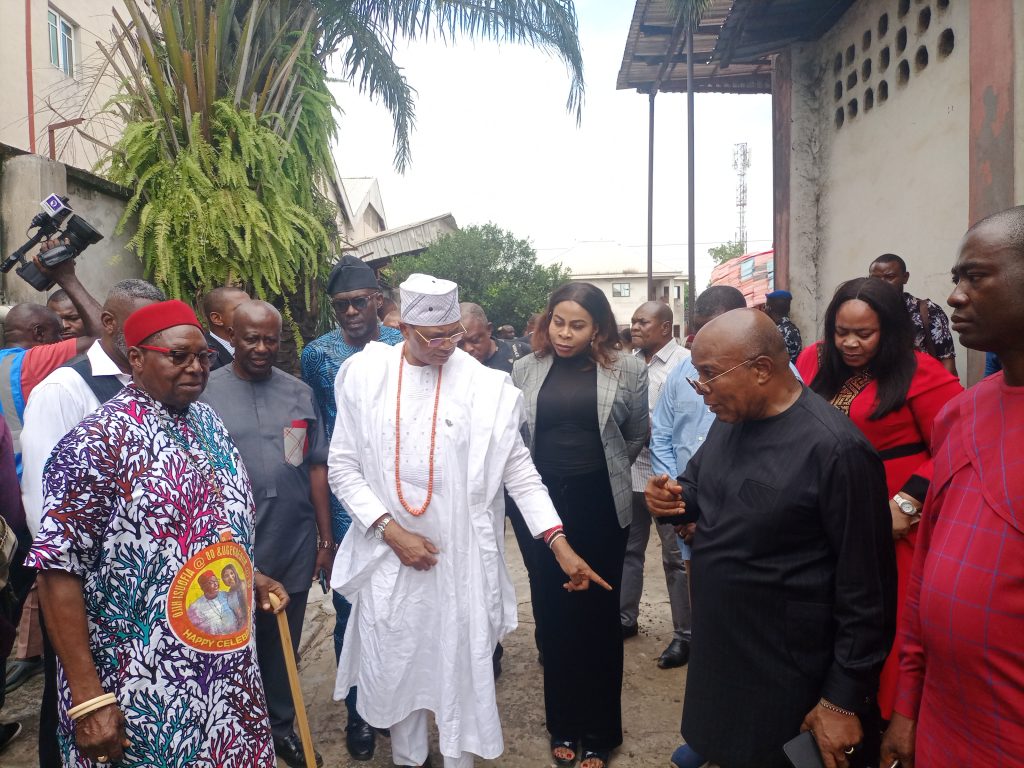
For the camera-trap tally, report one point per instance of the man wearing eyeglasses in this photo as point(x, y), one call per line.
point(143, 497)
point(794, 578)
point(55, 407)
point(425, 442)
point(355, 298)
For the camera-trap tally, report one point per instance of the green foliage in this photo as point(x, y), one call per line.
point(730, 250)
point(220, 212)
point(230, 121)
point(492, 267)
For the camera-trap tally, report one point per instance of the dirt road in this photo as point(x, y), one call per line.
point(651, 698)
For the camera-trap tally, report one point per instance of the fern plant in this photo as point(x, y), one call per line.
point(230, 122)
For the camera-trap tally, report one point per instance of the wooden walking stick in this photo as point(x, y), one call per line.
point(293, 682)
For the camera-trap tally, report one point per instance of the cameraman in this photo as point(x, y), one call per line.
point(32, 346)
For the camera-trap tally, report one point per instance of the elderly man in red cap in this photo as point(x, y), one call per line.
point(141, 499)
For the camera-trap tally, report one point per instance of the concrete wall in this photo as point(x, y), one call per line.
point(57, 97)
point(893, 177)
point(27, 179)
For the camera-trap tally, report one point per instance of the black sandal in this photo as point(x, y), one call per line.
point(596, 754)
point(566, 744)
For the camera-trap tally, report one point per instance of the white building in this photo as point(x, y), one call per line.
point(620, 271)
point(55, 74)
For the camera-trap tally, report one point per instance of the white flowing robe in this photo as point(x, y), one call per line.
point(424, 639)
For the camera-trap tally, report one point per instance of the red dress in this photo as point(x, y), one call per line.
point(901, 438)
point(962, 665)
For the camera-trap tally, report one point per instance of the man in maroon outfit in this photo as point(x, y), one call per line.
point(959, 697)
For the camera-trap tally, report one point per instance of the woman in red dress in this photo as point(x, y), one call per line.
point(867, 367)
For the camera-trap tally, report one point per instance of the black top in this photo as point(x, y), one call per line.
point(793, 577)
point(568, 440)
point(223, 355)
point(505, 354)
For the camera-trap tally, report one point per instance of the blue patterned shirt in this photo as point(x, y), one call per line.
point(321, 360)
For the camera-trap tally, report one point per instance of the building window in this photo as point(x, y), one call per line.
point(771, 275)
point(62, 43)
point(746, 269)
point(678, 292)
point(620, 290)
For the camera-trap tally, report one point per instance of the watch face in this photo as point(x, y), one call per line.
point(907, 507)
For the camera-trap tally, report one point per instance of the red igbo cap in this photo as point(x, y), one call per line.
point(153, 318)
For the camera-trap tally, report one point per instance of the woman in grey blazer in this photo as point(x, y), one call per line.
point(587, 419)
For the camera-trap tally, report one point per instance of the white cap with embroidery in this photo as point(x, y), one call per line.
point(429, 300)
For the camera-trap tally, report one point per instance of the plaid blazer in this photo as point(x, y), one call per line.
point(621, 411)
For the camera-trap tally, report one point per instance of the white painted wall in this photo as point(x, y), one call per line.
point(57, 96)
point(892, 179)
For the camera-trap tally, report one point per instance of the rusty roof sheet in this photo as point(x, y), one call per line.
point(732, 45)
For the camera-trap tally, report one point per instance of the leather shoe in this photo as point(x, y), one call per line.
point(629, 630)
point(8, 733)
point(676, 655)
point(289, 749)
point(360, 740)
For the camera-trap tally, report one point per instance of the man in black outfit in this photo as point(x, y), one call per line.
point(219, 307)
point(793, 571)
point(481, 343)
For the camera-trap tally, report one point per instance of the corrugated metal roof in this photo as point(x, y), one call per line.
point(732, 45)
point(410, 238)
point(363, 191)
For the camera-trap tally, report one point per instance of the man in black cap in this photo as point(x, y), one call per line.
point(776, 306)
point(356, 297)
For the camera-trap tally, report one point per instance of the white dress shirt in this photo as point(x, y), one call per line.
point(54, 408)
point(662, 363)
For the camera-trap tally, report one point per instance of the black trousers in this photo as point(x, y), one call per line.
point(580, 631)
point(272, 667)
point(531, 559)
point(49, 719)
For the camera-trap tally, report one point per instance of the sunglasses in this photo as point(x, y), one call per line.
point(441, 341)
point(704, 387)
point(360, 302)
point(182, 358)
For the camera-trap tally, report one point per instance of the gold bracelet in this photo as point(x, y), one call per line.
point(90, 706)
point(826, 704)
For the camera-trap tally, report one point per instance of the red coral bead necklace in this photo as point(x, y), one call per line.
point(414, 511)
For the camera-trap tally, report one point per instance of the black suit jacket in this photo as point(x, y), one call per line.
point(224, 357)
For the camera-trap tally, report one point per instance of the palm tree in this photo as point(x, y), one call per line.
point(229, 123)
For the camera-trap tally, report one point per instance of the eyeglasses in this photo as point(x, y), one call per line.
point(440, 341)
point(703, 387)
point(182, 358)
point(360, 302)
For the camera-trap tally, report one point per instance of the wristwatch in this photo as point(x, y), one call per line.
point(378, 529)
point(907, 507)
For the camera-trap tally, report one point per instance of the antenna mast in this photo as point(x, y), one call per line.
point(740, 163)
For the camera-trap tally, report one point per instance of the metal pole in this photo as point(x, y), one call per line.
point(650, 201)
point(691, 255)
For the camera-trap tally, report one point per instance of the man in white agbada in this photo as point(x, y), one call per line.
point(425, 439)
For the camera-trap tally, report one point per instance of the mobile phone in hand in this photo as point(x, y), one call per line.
point(322, 578)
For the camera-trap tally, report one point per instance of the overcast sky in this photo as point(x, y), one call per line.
point(494, 142)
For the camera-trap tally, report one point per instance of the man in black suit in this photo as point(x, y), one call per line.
point(793, 573)
point(219, 307)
